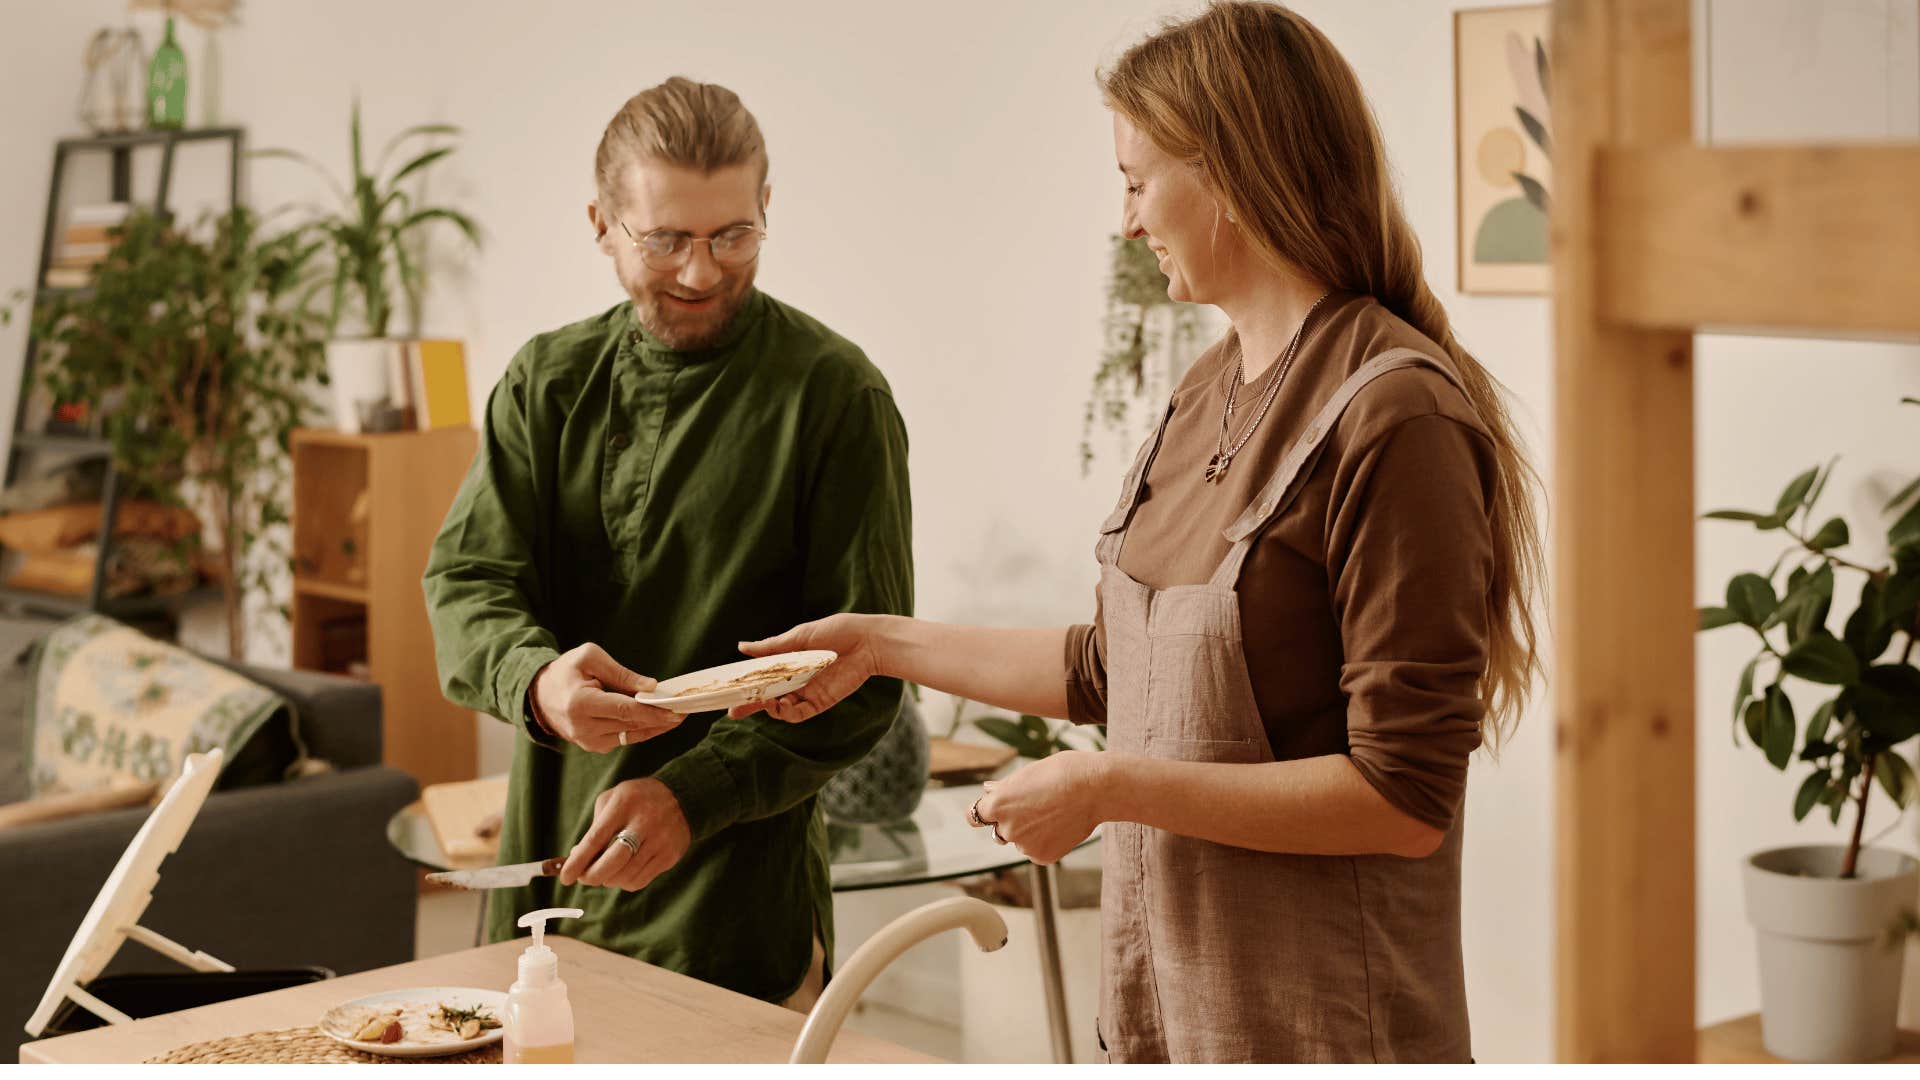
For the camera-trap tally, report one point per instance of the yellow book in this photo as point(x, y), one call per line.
point(439, 376)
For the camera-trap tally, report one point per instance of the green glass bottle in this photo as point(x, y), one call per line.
point(167, 85)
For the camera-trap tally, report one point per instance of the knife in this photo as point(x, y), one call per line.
point(498, 877)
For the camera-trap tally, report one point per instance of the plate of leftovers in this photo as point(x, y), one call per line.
point(428, 1021)
point(723, 687)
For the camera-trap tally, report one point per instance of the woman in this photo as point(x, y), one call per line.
point(1311, 608)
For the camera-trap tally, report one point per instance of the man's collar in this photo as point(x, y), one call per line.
point(743, 320)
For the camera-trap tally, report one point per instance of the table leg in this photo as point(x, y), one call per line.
point(480, 921)
point(1055, 987)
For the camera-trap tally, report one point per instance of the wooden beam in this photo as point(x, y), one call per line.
point(1622, 510)
point(1802, 238)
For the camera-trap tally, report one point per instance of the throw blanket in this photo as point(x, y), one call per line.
point(108, 705)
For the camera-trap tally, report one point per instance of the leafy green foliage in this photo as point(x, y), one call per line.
point(1852, 740)
point(1136, 290)
point(198, 348)
point(1033, 737)
point(371, 240)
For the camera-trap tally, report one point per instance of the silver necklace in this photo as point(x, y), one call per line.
point(1222, 455)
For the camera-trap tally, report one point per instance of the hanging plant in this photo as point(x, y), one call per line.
point(1140, 319)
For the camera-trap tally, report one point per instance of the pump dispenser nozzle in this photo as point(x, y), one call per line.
point(538, 965)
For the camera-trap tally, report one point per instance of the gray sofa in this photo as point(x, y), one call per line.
point(272, 875)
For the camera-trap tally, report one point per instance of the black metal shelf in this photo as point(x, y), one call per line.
point(49, 440)
point(125, 607)
point(78, 446)
point(145, 138)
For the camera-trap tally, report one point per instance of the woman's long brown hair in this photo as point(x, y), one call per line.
point(1276, 121)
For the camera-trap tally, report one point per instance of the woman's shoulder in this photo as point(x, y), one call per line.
point(1368, 330)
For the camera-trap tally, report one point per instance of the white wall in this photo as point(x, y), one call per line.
point(944, 190)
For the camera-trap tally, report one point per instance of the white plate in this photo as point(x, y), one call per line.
point(814, 661)
point(341, 1021)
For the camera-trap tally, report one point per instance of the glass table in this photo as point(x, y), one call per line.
point(934, 844)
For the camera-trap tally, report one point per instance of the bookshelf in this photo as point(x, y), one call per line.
point(365, 511)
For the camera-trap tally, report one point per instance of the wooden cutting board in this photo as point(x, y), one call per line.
point(456, 810)
point(950, 762)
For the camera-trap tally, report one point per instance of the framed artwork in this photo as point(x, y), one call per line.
point(1504, 173)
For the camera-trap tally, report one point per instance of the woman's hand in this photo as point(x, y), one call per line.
point(1049, 807)
point(852, 636)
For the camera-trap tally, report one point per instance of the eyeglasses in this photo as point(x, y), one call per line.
point(669, 249)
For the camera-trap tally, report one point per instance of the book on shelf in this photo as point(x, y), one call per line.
point(69, 277)
point(437, 383)
point(99, 215)
point(84, 243)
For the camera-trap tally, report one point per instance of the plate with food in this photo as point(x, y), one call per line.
point(723, 687)
point(427, 1021)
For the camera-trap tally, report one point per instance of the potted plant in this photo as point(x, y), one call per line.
point(1830, 918)
point(1141, 319)
point(373, 243)
point(197, 349)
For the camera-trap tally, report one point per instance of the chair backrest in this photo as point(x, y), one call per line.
point(977, 917)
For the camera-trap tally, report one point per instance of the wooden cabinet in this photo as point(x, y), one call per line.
point(365, 511)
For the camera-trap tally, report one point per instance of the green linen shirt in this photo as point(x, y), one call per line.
point(668, 505)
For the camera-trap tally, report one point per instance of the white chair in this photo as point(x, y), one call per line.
point(976, 917)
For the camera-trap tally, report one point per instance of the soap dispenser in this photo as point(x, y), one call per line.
point(539, 1021)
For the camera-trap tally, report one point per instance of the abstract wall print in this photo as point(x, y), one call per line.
point(1502, 148)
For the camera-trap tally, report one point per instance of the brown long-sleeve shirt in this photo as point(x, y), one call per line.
point(1364, 606)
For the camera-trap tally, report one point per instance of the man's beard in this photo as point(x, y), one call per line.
point(691, 331)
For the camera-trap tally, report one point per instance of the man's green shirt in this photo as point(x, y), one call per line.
point(668, 505)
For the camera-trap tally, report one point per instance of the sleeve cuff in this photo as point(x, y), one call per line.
point(1086, 699)
point(705, 790)
point(513, 692)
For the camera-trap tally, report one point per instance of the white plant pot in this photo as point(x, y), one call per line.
point(1003, 1003)
point(1829, 984)
point(368, 377)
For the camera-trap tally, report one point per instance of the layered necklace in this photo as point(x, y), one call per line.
point(1223, 454)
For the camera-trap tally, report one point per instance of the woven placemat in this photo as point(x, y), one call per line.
point(302, 1046)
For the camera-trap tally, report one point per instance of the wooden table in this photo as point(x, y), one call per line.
point(623, 1011)
point(1737, 1042)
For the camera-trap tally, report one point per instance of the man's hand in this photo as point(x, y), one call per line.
point(585, 697)
point(647, 810)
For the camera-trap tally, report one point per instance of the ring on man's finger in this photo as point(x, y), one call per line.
point(626, 838)
point(973, 814)
point(623, 738)
point(997, 838)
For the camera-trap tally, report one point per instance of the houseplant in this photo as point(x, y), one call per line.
point(1830, 918)
point(197, 348)
point(1141, 319)
point(375, 262)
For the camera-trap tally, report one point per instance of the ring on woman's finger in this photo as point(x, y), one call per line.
point(997, 838)
point(623, 738)
point(626, 838)
point(973, 814)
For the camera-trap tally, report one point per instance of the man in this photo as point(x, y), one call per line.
point(696, 467)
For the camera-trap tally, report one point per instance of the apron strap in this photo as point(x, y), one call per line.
point(1113, 531)
point(1279, 492)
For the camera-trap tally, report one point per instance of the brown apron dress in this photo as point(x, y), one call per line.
point(1218, 953)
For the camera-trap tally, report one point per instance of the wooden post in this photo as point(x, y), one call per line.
point(1622, 511)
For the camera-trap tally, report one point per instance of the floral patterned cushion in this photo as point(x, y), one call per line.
point(108, 705)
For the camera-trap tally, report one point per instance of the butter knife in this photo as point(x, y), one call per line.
point(498, 877)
